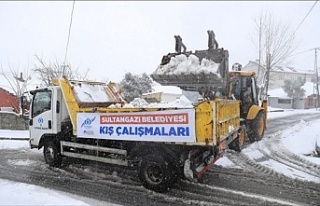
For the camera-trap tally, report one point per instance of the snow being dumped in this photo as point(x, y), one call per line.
point(182, 64)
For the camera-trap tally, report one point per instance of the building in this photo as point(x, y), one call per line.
point(9, 102)
point(278, 74)
point(278, 98)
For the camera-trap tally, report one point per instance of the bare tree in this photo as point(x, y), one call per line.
point(52, 70)
point(275, 37)
point(17, 80)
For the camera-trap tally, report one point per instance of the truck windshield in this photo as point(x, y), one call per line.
point(41, 102)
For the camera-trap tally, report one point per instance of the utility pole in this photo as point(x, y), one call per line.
point(268, 73)
point(317, 76)
point(259, 66)
point(64, 66)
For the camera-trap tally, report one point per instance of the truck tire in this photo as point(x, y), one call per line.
point(51, 154)
point(157, 174)
point(257, 127)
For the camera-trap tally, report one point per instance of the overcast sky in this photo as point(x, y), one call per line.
point(112, 38)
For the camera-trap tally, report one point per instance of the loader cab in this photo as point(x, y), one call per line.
point(243, 87)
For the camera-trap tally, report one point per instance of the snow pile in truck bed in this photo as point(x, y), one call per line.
point(182, 102)
point(91, 93)
point(181, 64)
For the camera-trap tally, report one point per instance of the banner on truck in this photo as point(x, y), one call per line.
point(161, 126)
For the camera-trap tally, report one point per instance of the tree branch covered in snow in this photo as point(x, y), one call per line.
point(134, 86)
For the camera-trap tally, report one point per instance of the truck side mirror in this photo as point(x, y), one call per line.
point(24, 103)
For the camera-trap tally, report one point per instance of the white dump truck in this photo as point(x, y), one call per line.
point(90, 120)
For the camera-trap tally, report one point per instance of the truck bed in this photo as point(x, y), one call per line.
point(211, 121)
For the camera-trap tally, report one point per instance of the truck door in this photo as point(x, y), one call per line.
point(40, 116)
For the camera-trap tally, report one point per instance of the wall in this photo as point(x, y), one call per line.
point(12, 121)
point(287, 103)
point(277, 102)
point(311, 102)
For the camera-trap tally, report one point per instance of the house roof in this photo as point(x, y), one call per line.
point(283, 69)
point(8, 99)
point(277, 68)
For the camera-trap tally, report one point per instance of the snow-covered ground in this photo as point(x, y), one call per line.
point(299, 140)
point(14, 193)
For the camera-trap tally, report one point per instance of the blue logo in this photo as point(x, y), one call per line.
point(40, 120)
point(88, 122)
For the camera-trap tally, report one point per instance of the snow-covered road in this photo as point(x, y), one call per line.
point(282, 157)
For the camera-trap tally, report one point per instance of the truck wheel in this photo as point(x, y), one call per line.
point(156, 174)
point(257, 127)
point(51, 154)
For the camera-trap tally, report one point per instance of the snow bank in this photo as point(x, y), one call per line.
point(24, 194)
point(14, 144)
point(14, 133)
point(302, 138)
point(278, 113)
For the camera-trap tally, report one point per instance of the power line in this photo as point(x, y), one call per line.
point(65, 57)
point(305, 17)
point(300, 53)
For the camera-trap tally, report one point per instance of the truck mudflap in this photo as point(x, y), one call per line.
point(199, 162)
point(192, 173)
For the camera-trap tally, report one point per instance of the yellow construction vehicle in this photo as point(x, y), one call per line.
point(206, 72)
point(90, 120)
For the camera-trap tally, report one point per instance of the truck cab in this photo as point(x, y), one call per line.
point(46, 112)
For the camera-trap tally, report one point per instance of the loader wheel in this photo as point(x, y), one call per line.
point(51, 154)
point(238, 143)
point(257, 127)
point(156, 174)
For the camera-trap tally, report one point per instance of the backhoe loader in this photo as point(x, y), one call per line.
point(206, 72)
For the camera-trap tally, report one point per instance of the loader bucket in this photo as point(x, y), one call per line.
point(202, 70)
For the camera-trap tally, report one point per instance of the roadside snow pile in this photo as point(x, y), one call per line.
point(274, 113)
point(17, 133)
point(181, 64)
point(10, 144)
point(306, 141)
point(24, 194)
